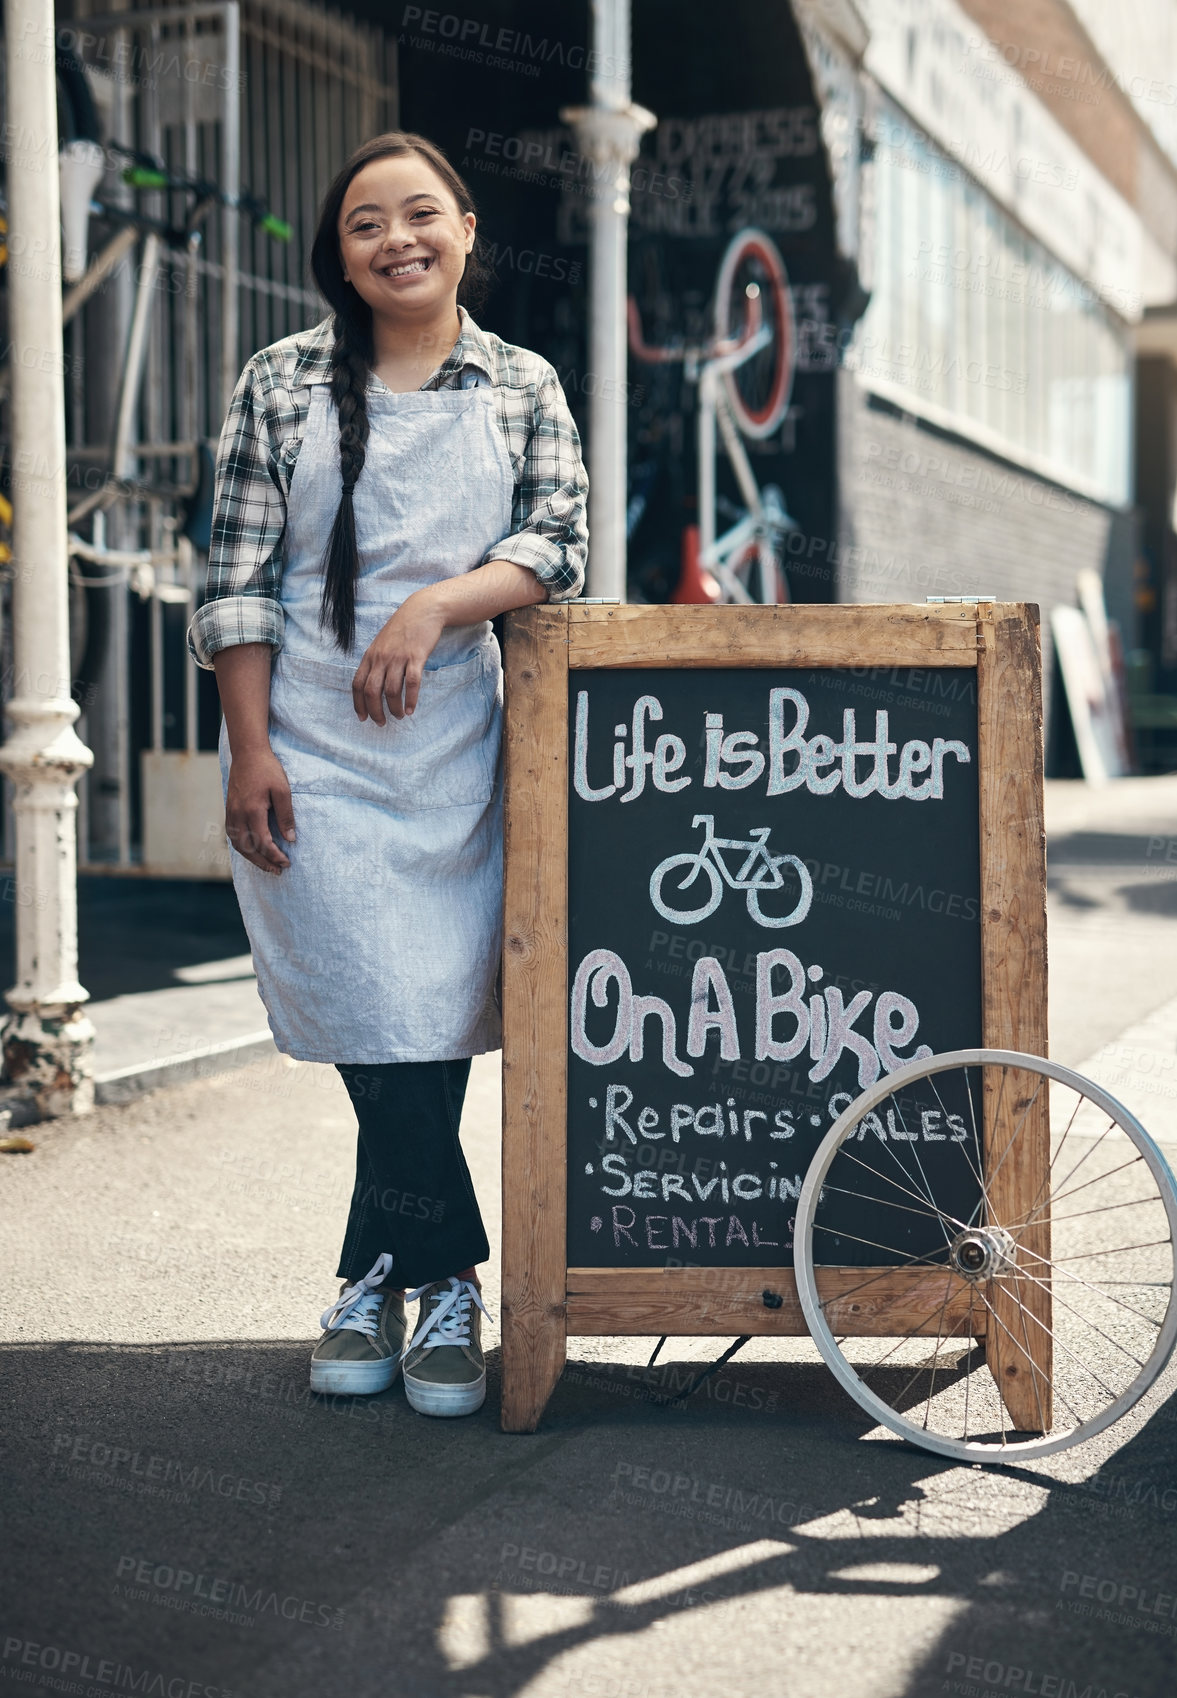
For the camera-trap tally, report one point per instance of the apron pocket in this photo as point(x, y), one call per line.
point(444, 755)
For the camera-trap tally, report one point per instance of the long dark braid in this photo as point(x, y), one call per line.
point(351, 360)
point(351, 364)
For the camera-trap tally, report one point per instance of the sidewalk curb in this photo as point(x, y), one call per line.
point(126, 1083)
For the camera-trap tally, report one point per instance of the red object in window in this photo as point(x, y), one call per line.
point(695, 583)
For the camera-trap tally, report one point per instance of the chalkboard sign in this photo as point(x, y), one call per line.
point(756, 858)
point(773, 898)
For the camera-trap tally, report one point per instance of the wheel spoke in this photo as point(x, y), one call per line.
point(977, 1144)
point(1067, 1274)
point(1106, 1209)
point(882, 1273)
point(1035, 1371)
point(968, 1379)
point(1057, 1389)
point(1045, 1181)
point(1062, 1195)
point(1018, 1347)
point(963, 1144)
point(1024, 1273)
point(922, 1367)
point(1056, 1341)
point(878, 1202)
point(871, 1243)
point(1090, 1151)
point(906, 1338)
point(996, 1120)
point(915, 1150)
point(1014, 1135)
point(1120, 1250)
point(887, 1180)
point(935, 1360)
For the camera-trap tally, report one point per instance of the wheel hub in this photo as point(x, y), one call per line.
point(982, 1252)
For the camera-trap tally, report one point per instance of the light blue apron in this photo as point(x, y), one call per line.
point(381, 941)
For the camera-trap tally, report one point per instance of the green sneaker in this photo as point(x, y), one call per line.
point(365, 1332)
point(445, 1371)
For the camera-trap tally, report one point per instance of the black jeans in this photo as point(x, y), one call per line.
point(413, 1196)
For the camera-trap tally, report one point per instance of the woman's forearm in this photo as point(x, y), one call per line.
point(484, 593)
point(394, 663)
point(243, 680)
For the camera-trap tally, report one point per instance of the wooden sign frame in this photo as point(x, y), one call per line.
point(544, 1300)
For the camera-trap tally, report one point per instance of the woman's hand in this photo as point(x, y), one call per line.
point(393, 664)
point(257, 783)
point(395, 659)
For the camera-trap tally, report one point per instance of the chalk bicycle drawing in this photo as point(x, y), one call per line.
point(744, 375)
point(758, 872)
point(1069, 1293)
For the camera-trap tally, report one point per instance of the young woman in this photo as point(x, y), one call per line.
point(386, 484)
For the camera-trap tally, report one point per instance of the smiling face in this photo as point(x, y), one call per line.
point(402, 239)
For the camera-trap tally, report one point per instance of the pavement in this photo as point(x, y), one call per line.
point(171, 983)
point(182, 1518)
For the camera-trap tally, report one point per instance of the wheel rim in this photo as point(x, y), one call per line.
point(1019, 1232)
point(758, 392)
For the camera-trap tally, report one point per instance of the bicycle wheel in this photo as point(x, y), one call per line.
point(759, 389)
point(984, 1255)
point(688, 916)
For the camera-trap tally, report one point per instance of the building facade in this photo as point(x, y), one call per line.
point(1019, 226)
point(975, 203)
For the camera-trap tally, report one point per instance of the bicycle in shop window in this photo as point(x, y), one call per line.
point(743, 375)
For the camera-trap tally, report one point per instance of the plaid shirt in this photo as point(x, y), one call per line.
point(259, 446)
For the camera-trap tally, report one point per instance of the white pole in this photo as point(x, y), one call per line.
point(48, 1038)
point(230, 217)
point(608, 134)
point(705, 453)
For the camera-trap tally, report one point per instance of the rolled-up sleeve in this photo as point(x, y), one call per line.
point(249, 517)
point(550, 532)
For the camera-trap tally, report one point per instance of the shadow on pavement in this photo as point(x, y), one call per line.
point(1079, 1599)
point(134, 932)
point(1114, 849)
point(190, 1512)
point(1078, 865)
